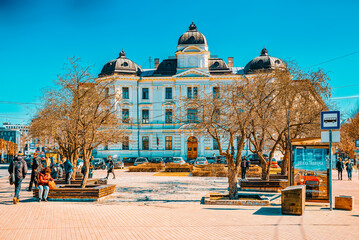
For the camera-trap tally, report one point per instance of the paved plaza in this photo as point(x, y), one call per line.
point(153, 207)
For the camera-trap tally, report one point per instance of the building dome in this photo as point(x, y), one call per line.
point(263, 62)
point(192, 36)
point(121, 65)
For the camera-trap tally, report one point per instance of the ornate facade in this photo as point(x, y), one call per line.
point(150, 98)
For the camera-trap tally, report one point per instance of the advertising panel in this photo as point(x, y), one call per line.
point(311, 169)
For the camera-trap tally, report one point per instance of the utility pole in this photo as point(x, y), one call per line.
point(330, 171)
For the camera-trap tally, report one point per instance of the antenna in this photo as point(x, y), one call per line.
point(150, 60)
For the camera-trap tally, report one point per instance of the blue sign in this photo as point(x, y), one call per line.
point(357, 143)
point(330, 120)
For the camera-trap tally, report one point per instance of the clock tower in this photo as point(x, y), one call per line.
point(192, 51)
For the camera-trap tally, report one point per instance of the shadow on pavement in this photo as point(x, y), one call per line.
point(228, 209)
point(268, 211)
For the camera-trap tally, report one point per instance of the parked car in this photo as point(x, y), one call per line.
point(167, 159)
point(129, 160)
point(140, 160)
point(98, 163)
point(221, 160)
point(200, 161)
point(118, 164)
point(157, 160)
point(211, 160)
point(254, 159)
point(179, 160)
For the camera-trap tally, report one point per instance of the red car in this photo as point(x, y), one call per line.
point(310, 179)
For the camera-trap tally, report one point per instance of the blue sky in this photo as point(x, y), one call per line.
point(38, 36)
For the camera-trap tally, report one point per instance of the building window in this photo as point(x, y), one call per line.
point(168, 142)
point(126, 143)
point(192, 92)
point(125, 93)
point(216, 116)
point(106, 147)
point(145, 116)
point(168, 116)
point(215, 144)
point(125, 116)
point(215, 92)
point(145, 93)
point(168, 94)
point(145, 143)
point(192, 115)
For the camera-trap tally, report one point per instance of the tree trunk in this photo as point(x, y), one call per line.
point(285, 162)
point(232, 183)
point(86, 159)
point(73, 160)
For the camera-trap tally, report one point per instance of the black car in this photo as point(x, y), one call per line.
point(211, 160)
point(128, 160)
point(221, 160)
point(167, 159)
point(157, 160)
point(98, 163)
point(254, 159)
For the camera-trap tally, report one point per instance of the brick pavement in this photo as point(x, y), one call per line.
point(170, 220)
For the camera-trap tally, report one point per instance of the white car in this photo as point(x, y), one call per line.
point(200, 161)
point(179, 160)
point(140, 160)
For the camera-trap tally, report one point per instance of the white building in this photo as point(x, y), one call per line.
point(150, 97)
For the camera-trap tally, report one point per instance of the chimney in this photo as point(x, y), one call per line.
point(230, 62)
point(157, 62)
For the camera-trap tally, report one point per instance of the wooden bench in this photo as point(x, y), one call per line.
point(265, 186)
point(74, 192)
point(344, 202)
point(293, 200)
point(100, 181)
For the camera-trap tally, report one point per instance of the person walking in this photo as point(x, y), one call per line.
point(244, 166)
point(68, 170)
point(349, 169)
point(340, 167)
point(60, 171)
point(18, 171)
point(44, 180)
point(35, 171)
point(54, 171)
point(110, 169)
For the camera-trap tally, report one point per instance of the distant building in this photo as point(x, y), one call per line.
point(149, 97)
point(10, 135)
point(25, 143)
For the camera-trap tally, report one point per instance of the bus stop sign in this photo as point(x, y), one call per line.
point(330, 120)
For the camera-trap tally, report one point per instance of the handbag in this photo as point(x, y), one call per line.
point(12, 175)
point(52, 185)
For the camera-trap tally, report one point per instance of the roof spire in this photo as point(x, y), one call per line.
point(264, 52)
point(122, 54)
point(193, 27)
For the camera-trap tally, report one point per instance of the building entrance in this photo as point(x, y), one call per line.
point(192, 148)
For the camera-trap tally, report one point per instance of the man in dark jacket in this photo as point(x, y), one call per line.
point(18, 169)
point(244, 166)
point(35, 171)
point(340, 167)
point(68, 170)
point(111, 166)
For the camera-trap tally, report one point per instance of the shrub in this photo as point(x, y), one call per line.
point(176, 167)
point(146, 167)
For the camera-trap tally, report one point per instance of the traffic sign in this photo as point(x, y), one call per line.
point(357, 143)
point(330, 120)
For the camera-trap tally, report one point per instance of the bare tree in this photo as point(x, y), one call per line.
point(78, 115)
point(224, 116)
